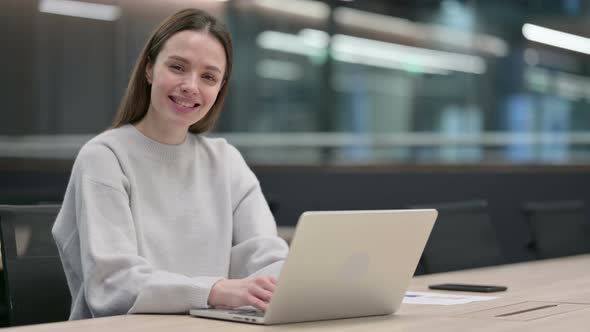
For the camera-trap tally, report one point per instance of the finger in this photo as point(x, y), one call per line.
point(265, 283)
point(221, 306)
point(256, 302)
point(263, 294)
point(256, 290)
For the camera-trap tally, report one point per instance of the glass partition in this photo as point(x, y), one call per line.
point(322, 82)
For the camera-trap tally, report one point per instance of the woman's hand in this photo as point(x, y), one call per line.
point(233, 293)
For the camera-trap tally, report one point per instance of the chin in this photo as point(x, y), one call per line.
point(179, 122)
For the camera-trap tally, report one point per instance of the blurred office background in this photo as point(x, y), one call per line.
point(479, 108)
point(364, 104)
point(362, 82)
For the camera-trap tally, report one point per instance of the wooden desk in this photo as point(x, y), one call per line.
point(565, 280)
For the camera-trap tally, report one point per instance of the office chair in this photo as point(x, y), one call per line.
point(558, 228)
point(463, 237)
point(3, 305)
point(36, 287)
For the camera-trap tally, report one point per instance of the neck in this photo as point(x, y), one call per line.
point(161, 132)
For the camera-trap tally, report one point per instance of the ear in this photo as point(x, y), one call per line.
point(149, 71)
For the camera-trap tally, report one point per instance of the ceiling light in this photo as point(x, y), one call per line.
point(307, 8)
point(279, 70)
point(425, 32)
point(556, 38)
point(313, 43)
point(80, 9)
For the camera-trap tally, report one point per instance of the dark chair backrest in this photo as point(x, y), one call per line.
point(36, 287)
point(558, 228)
point(463, 237)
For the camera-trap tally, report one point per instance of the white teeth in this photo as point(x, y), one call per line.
point(181, 103)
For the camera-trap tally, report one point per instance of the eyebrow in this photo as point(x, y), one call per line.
point(181, 59)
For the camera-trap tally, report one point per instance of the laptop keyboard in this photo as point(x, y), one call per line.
point(253, 313)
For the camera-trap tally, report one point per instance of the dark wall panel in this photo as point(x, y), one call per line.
point(292, 190)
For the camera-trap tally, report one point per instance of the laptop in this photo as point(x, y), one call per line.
point(343, 264)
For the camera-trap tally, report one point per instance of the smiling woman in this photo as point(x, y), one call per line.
point(156, 217)
point(185, 45)
point(185, 80)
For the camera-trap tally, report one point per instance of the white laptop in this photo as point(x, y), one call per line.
point(343, 264)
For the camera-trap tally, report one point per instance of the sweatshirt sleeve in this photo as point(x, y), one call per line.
point(116, 279)
point(257, 249)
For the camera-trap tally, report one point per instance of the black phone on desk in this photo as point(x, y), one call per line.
point(469, 288)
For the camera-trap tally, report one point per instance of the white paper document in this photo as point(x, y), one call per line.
point(442, 298)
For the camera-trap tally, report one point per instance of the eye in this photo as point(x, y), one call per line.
point(210, 78)
point(177, 68)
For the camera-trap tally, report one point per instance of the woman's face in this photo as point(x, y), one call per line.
point(186, 78)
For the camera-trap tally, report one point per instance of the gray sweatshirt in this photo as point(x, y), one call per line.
point(147, 227)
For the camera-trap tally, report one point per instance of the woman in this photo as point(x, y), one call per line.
point(157, 218)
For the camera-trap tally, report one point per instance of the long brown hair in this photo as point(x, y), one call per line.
point(136, 101)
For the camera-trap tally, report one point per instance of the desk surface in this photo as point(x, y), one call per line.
point(563, 281)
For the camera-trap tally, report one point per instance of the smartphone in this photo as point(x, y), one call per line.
point(469, 288)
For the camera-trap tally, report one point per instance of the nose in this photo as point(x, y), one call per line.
point(190, 85)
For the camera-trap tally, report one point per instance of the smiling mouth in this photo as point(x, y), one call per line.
point(184, 104)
